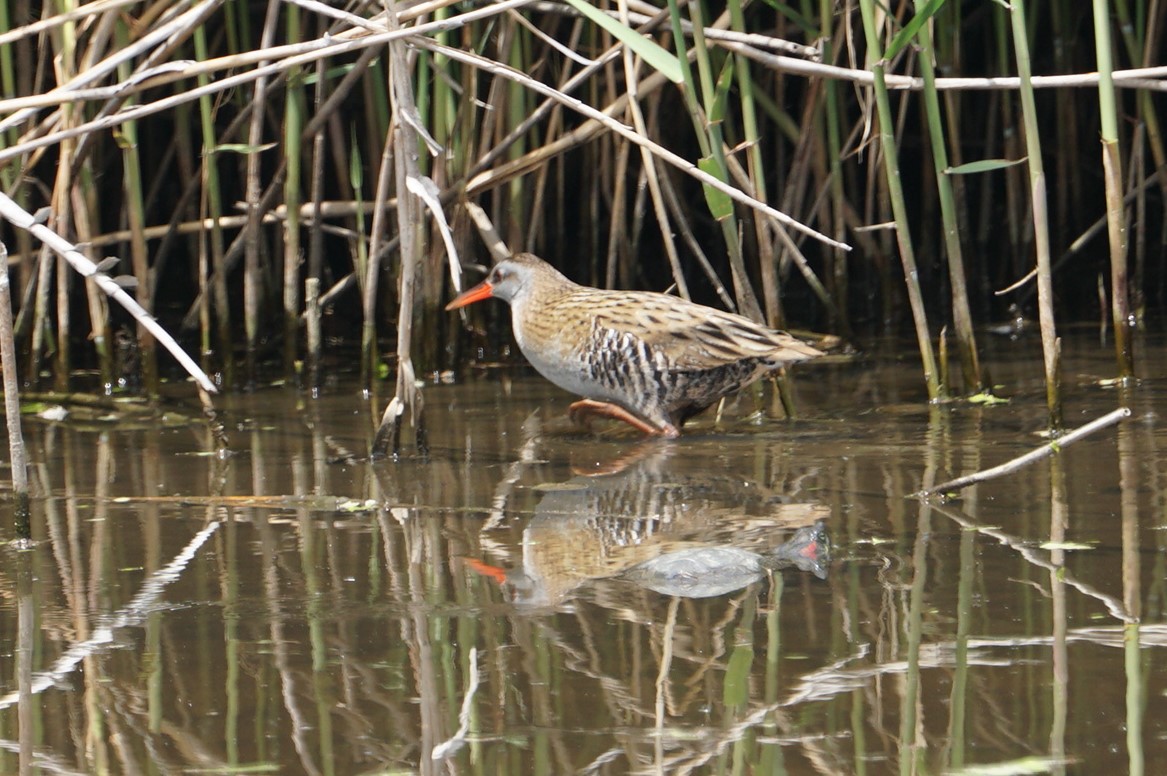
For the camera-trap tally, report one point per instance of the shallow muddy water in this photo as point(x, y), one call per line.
point(295, 609)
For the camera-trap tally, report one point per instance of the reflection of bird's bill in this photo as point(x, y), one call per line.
point(497, 573)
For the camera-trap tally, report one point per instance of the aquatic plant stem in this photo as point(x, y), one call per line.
point(767, 256)
point(631, 79)
point(1020, 462)
point(898, 204)
point(294, 109)
point(961, 314)
point(1112, 177)
point(1050, 345)
point(212, 298)
point(252, 270)
point(713, 160)
point(135, 209)
point(838, 275)
point(19, 463)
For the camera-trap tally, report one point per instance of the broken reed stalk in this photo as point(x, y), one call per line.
point(1050, 345)
point(1112, 178)
point(313, 333)
point(1021, 461)
point(409, 224)
point(895, 188)
point(961, 313)
point(12, 398)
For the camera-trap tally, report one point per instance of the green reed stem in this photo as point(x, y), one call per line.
point(961, 314)
point(715, 163)
point(294, 110)
point(1112, 177)
point(212, 207)
point(253, 275)
point(898, 204)
point(767, 257)
point(135, 208)
point(1037, 187)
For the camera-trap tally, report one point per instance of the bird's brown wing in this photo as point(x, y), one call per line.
point(691, 336)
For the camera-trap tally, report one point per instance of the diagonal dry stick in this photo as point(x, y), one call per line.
point(1049, 448)
point(22, 219)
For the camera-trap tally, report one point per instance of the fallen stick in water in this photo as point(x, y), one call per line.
point(1019, 462)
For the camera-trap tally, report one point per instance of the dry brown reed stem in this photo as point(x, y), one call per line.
point(682, 164)
point(1021, 461)
point(21, 219)
point(281, 58)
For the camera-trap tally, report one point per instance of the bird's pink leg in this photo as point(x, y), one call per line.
point(586, 408)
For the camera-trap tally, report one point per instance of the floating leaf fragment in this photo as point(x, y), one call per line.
point(356, 505)
point(987, 399)
point(1066, 546)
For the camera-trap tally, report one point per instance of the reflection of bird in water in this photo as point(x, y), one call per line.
point(704, 572)
point(600, 527)
point(648, 359)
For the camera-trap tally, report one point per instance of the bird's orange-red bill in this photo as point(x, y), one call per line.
point(481, 291)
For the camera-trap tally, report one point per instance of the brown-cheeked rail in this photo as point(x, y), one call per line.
point(648, 359)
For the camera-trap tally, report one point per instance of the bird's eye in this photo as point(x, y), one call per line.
point(497, 276)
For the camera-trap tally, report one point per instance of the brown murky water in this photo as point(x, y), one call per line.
point(293, 609)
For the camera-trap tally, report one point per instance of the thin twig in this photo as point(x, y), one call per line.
point(1053, 446)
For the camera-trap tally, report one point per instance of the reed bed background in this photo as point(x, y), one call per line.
point(281, 179)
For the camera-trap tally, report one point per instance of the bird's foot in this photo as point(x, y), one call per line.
point(585, 409)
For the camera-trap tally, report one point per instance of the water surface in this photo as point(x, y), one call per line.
point(294, 608)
